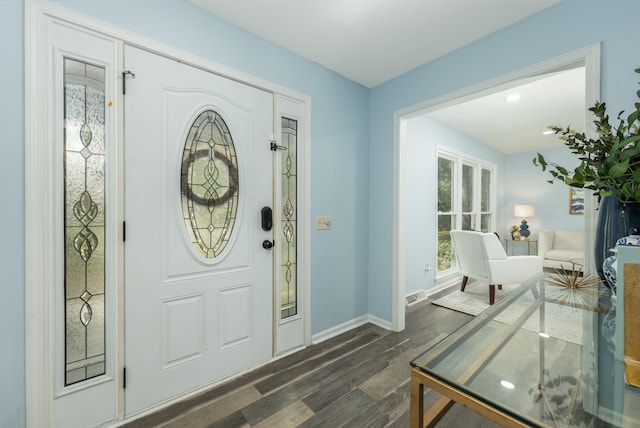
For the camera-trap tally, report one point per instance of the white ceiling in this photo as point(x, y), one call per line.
point(512, 127)
point(372, 41)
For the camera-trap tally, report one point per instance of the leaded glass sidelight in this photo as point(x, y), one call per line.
point(84, 220)
point(289, 228)
point(209, 184)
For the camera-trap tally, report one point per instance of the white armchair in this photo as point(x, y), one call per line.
point(481, 256)
point(561, 249)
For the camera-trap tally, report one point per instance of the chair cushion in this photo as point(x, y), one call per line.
point(563, 255)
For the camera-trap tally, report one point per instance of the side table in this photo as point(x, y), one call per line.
point(510, 246)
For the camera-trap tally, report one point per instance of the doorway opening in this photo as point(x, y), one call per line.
point(415, 271)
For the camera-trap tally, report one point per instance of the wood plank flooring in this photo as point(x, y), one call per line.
point(357, 379)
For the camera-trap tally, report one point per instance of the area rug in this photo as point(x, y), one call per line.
point(474, 299)
point(563, 321)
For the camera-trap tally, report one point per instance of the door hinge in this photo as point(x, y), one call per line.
point(124, 378)
point(275, 147)
point(126, 73)
point(124, 231)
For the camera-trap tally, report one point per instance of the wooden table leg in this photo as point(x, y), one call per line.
point(416, 408)
point(420, 418)
point(432, 416)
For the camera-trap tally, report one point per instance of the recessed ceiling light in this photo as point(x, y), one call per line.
point(549, 132)
point(507, 384)
point(512, 98)
point(545, 335)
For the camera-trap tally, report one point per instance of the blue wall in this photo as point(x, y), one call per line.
point(527, 184)
point(570, 25)
point(424, 135)
point(351, 142)
point(12, 314)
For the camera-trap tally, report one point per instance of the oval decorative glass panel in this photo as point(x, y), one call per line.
point(209, 184)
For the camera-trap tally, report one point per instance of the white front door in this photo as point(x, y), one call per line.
point(198, 282)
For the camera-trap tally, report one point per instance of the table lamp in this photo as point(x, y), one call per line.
point(524, 211)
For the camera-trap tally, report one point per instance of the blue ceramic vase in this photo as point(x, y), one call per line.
point(614, 221)
point(610, 264)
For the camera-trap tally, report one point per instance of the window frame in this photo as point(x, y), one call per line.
point(460, 160)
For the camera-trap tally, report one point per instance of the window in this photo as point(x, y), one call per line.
point(209, 184)
point(289, 216)
point(84, 220)
point(465, 200)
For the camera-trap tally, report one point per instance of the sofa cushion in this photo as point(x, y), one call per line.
point(563, 255)
point(568, 240)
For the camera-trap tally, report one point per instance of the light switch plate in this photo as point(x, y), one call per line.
point(323, 222)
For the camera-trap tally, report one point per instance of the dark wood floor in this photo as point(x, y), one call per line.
point(357, 379)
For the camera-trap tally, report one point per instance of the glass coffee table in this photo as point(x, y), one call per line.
point(543, 356)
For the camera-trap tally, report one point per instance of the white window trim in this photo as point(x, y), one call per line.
point(461, 159)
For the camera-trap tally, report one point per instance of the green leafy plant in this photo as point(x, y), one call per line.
point(610, 163)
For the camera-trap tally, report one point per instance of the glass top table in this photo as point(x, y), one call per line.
point(544, 355)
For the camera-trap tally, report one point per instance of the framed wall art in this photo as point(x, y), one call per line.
point(576, 200)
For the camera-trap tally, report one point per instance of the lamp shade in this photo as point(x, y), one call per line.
point(524, 211)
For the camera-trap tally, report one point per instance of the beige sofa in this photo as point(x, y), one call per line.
point(561, 249)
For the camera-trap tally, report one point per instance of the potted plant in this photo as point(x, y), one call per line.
point(610, 167)
point(515, 232)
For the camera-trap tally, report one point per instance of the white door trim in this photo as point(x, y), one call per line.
point(591, 56)
point(39, 257)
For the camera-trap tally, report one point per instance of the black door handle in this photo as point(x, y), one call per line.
point(267, 218)
point(267, 245)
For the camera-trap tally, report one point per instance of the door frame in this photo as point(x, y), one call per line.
point(40, 257)
point(591, 57)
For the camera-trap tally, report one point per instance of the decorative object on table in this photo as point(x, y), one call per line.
point(515, 232)
point(610, 264)
point(575, 279)
point(609, 166)
point(614, 221)
point(524, 211)
point(576, 200)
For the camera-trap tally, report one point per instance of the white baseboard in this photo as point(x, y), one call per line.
point(339, 329)
point(380, 322)
point(350, 325)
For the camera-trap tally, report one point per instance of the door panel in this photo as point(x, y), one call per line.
point(190, 319)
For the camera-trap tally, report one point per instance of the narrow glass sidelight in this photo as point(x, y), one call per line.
point(209, 184)
point(289, 228)
point(84, 220)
